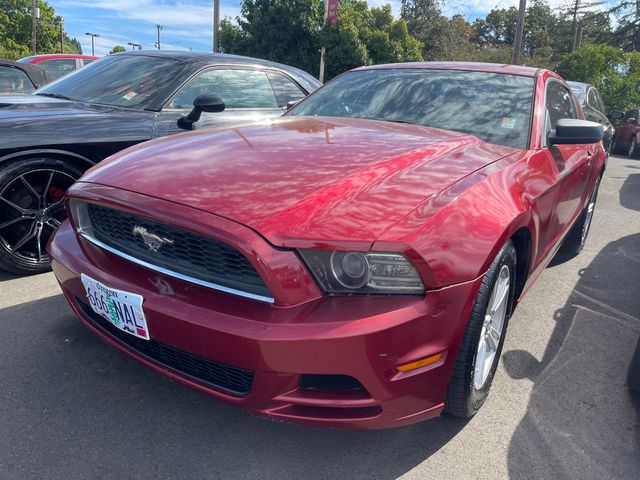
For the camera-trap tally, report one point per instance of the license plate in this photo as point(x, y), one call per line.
point(122, 309)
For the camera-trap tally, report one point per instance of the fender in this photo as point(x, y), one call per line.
point(80, 160)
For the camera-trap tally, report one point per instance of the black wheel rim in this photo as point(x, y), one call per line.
point(31, 208)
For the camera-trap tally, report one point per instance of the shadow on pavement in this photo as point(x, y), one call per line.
point(630, 192)
point(75, 408)
point(7, 276)
point(581, 421)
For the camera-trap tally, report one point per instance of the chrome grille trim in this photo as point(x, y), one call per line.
point(173, 274)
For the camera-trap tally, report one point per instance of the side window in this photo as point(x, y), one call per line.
point(238, 89)
point(286, 91)
point(630, 114)
point(87, 61)
point(58, 67)
point(593, 99)
point(559, 104)
point(13, 80)
point(601, 106)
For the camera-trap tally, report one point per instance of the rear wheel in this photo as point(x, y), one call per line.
point(481, 345)
point(31, 208)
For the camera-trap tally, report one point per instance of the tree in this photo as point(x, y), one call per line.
point(293, 32)
point(285, 31)
point(426, 23)
point(15, 30)
point(627, 35)
point(117, 49)
point(614, 73)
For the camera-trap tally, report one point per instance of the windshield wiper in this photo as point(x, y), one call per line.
point(54, 95)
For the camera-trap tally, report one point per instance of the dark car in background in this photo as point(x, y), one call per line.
point(594, 109)
point(20, 78)
point(627, 131)
point(57, 65)
point(51, 137)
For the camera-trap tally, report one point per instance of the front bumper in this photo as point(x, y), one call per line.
point(365, 338)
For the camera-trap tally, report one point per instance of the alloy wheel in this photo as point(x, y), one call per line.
point(492, 328)
point(31, 208)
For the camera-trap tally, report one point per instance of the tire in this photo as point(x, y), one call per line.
point(633, 374)
point(577, 236)
point(633, 149)
point(474, 369)
point(31, 208)
point(615, 148)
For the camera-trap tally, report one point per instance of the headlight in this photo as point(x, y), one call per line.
point(363, 272)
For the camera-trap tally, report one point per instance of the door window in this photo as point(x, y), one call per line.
point(559, 104)
point(238, 89)
point(286, 91)
point(13, 80)
point(58, 67)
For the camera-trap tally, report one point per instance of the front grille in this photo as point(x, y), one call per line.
point(234, 380)
point(190, 254)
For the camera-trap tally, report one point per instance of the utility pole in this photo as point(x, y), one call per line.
point(323, 49)
point(517, 44)
point(61, 34)
point(576, 7)
point(35, 14)
point(216, 26)
point(158, 27)
point(92, 35)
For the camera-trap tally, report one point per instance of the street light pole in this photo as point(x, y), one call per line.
point(216, 26)
point(158, 28)
point(92, 35)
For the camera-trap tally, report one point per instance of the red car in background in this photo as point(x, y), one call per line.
point(58, 65)
point(354, 263)
point(625, 140)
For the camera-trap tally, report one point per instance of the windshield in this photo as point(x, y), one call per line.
point(494, 107)
point(122, 81)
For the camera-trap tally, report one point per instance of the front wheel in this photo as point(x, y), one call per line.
point(31, 208)
point(481, 345)
point(633, 149)
point(577, 236)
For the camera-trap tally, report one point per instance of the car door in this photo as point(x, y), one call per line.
point(627, 128)
point(249, 95)
point(572, 162)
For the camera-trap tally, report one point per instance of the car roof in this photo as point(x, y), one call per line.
point(37, 75)
point(225, 58)
point(470, 66)
point(59, 55)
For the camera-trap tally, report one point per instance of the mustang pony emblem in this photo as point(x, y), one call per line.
point(151, 240)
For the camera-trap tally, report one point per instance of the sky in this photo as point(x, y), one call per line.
point(187, 24)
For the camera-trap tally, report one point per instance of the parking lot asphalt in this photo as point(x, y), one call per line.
point(72, 407)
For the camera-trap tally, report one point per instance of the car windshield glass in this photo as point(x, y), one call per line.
point(13, 80)
point(494, 107)
point(130, 81)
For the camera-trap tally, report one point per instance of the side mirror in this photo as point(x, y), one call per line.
point(290, 105)
point(616, 115)
point(202, 103)
point(574, 131)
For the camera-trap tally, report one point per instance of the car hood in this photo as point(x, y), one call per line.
point(301, 180)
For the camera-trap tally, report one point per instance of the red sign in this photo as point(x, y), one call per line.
point(332, 12)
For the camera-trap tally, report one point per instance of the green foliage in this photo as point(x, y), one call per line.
point(614, 73)
point(15, 30)
point(293, 32)
point(117, 49)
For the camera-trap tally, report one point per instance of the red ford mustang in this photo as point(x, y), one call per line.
point(354, 263)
